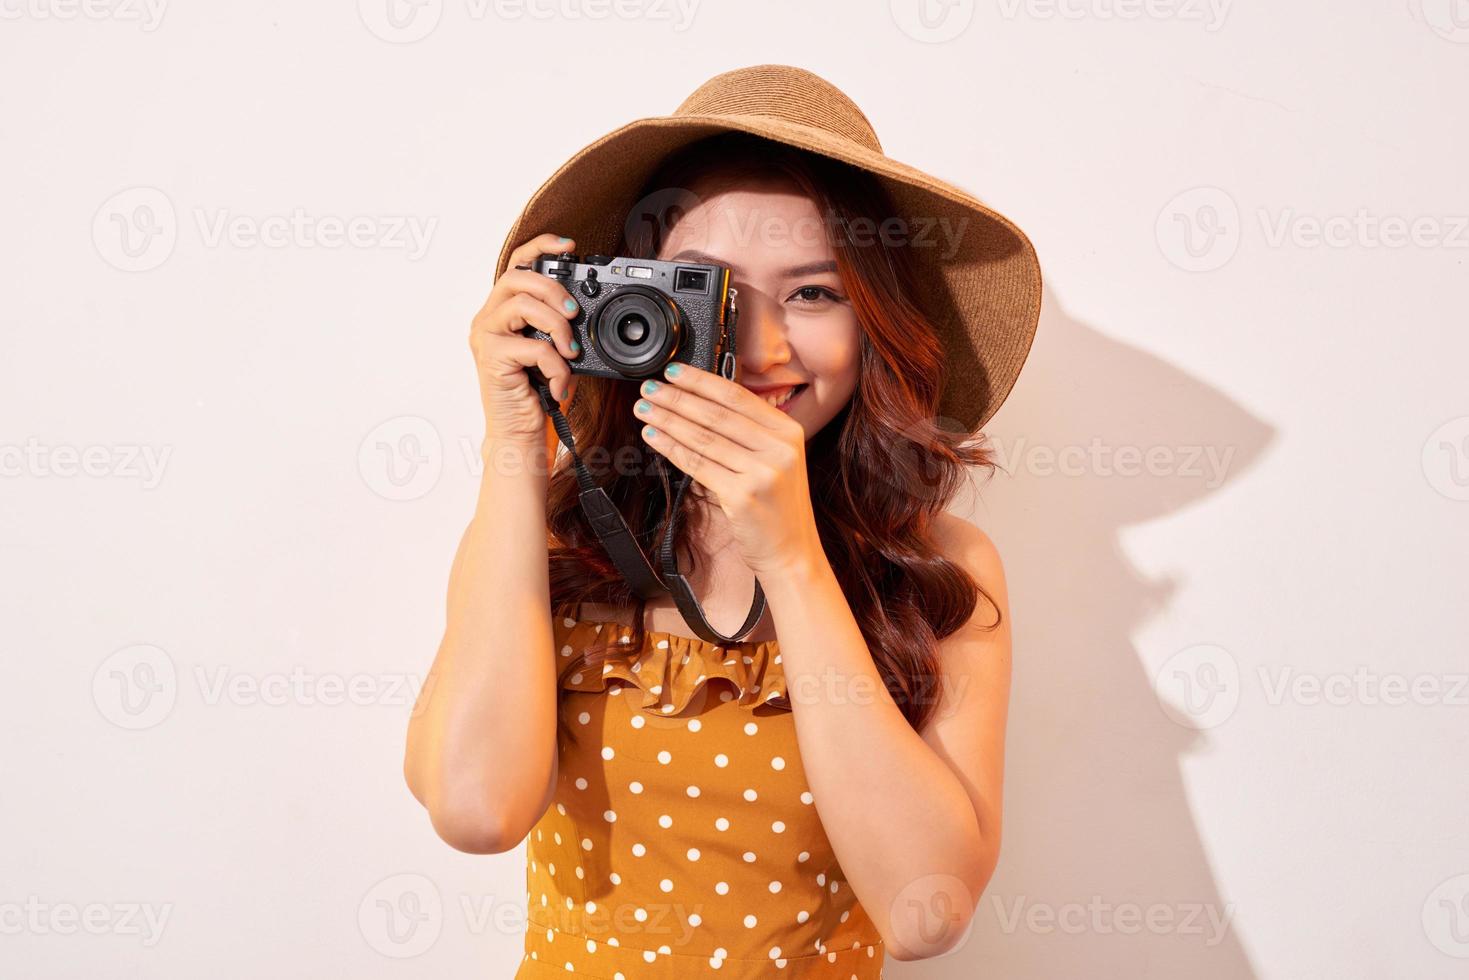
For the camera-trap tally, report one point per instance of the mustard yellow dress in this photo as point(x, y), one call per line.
point(683, 840)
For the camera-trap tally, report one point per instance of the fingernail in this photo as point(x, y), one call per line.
point(650, 432)
point(563, 239)
point(673, 369)
point(650, 386)
point(570, 305)
point(642, 407)
point(575, 347)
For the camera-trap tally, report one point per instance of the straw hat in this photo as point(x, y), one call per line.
point(983, 281)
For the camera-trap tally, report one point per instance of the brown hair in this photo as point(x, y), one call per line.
point(878, 472)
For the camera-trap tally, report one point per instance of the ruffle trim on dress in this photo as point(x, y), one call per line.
point(670, 671)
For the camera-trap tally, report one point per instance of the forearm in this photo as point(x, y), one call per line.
point(900, 823)
point(481, 745)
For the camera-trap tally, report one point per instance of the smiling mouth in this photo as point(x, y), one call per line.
point(781, 399)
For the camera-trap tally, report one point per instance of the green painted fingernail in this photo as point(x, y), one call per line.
point(650, 386)
point(643, 407)
point(673, 369)
point(650, 432)
point(570, 304)
point(575, 347)
point(563, 239)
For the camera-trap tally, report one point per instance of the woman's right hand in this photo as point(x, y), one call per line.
point(521, 298)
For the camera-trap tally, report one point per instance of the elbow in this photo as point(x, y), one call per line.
point(935, 915)
point(475, 830)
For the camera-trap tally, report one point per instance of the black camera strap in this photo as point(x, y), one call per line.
point(617, 538)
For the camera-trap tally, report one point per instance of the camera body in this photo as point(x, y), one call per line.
point(638, 315)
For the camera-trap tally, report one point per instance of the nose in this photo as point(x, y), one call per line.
point(760, 335)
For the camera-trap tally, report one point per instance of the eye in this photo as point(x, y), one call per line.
point(812, 295)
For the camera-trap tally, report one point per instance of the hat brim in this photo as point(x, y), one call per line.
point(982, 285)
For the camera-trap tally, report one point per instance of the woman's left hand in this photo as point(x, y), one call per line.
point(749, 453)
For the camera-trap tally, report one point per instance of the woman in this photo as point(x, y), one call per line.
point(829, 788)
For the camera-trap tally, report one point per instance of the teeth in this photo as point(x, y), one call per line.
point(780, 399)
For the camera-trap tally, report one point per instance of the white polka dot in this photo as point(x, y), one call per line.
point(641, 914)
point(774, 887)
point(666, 708)
point(635, 786)
point(695, 918)
point(750, 921)
point(721, 760)
point(665, 821)
point(821, 878)
point(693, 854)
point(802, 856)
point(693, 791)
point(722, 887)
point(775, 952)
point(638, 721)
point(802, 916)
point(751, 795)
point(695, 724)
point(581, 783)
point(610, 816)
point(665, 757)
point(576, 678)
point(657, 689)
point(722, 823)
point(779, 826)
point(615, 878)
point(777, 763)
point(639, 850)
point(586, 843)
point(751, 728)
point(666, 885)
point(584, 717)
point(606, 751)
point(749, 856)
point(591, 908)
point(806, 798)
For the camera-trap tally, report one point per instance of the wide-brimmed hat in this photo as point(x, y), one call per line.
point(979, 272)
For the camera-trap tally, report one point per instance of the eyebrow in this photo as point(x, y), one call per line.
point(794, 272)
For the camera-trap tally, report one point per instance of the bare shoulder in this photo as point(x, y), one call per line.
point(972, 549)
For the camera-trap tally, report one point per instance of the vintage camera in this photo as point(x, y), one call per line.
point(638, 315)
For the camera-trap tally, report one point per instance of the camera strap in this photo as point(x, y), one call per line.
point(618, 540)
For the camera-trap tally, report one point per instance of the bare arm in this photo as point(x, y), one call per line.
point(481, 747)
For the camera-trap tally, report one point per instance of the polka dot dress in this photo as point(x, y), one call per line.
point(683, 840)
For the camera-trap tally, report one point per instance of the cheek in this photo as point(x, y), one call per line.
point(830, 357)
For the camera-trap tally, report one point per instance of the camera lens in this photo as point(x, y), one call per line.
point(637, 331)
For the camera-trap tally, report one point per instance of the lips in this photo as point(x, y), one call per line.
point(780, 396)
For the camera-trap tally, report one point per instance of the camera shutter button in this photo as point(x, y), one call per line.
point(590, 286)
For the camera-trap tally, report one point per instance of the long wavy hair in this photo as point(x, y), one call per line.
point(879, 472)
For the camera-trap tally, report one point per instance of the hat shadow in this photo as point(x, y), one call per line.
point(1097, 814)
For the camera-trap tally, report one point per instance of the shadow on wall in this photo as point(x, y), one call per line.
point(1099, 838)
